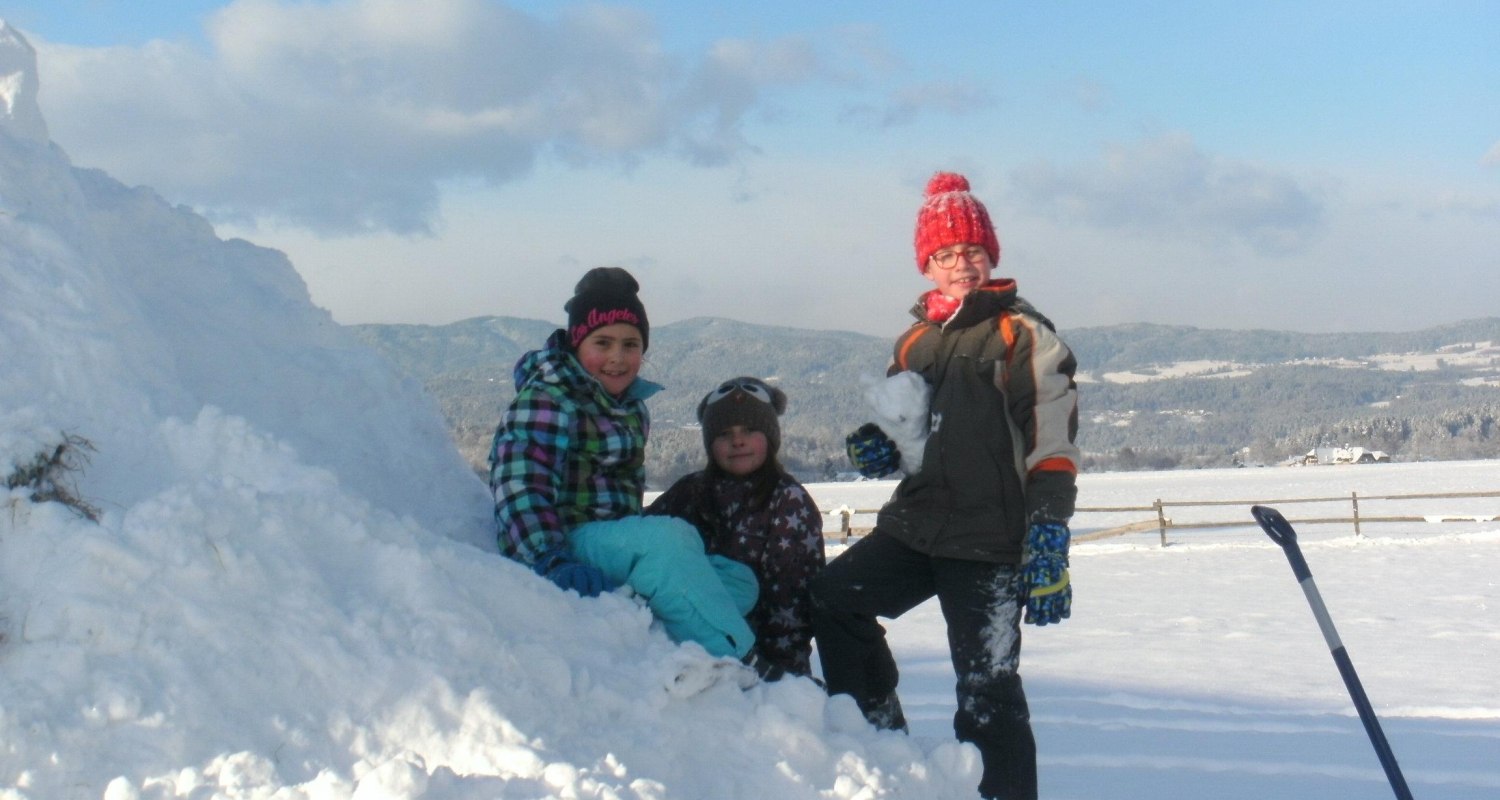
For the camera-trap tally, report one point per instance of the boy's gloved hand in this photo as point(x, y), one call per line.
point(1044, 570)
point(555, 565)
point(872, 452)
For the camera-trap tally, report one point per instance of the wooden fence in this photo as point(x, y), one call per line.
point(1162, 521)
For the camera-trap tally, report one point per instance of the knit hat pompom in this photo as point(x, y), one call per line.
point(944, 182)
point(951, 215)
point(605, 296)
point(746, 401)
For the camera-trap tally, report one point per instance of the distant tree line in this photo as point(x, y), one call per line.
point(1283, 408)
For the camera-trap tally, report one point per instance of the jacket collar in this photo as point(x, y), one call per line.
point(556, 364)
point(979, 305)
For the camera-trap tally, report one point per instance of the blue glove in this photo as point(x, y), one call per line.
point(1044, 570)
point(556, 566)
point(872, 452)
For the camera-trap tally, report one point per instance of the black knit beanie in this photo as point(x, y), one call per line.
point(605, 296)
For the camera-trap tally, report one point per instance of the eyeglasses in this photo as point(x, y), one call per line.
point(948, 259)
point(754, 388)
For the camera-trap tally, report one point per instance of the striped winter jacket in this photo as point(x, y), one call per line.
point(566, 452)
point(1004, 416)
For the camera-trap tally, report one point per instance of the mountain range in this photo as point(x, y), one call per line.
point(1151, 396)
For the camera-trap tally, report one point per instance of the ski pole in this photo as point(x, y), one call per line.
point(1281, 532)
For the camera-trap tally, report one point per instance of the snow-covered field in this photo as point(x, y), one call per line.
point(1478, 356)
point(1198, 670)
point(292, 591)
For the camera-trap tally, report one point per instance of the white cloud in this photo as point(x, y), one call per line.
point(729, 81)
point(1168, 184)
point(1491, 157)
point(346, 117)
point(907, 104)
point(1089, 95)
point(1478, 207)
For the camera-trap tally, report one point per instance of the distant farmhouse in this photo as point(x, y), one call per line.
point(1342, 455)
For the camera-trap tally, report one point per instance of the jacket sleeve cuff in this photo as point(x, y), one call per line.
point(1050, 497)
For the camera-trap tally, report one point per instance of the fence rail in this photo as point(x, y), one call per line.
point(1162, 522)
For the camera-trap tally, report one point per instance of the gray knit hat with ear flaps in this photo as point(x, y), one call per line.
point(746, 401)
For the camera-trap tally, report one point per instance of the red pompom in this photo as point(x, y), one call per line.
point(945, 182)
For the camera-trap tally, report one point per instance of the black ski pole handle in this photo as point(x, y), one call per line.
point(1282, 533)
point(1275, 525)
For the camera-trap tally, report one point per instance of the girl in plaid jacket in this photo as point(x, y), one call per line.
point(567, 468)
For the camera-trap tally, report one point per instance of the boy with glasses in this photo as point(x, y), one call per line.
point(982, 524)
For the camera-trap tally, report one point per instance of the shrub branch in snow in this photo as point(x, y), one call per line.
point(50, 473)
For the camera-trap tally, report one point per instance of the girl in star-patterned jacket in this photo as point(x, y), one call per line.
point(749, 509)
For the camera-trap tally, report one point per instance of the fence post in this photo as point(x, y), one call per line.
point(844, 527)
point(1354, 498)
point(1161, 521)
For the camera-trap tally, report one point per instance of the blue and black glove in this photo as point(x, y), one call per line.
point(1044, 570)
point(872, 452)
point(557, 566)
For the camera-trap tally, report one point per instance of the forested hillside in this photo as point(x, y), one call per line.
point(1151, 396)
point(1124, 347)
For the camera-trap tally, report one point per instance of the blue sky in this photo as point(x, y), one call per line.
point(1307, 166)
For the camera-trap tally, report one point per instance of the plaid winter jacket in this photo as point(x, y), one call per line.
point(780, 538)
point(566, 452)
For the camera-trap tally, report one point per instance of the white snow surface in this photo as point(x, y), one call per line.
point(19, 114)
point(293, 591)
point(901, 405)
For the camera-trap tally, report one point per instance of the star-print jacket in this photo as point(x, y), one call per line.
point(781, 540)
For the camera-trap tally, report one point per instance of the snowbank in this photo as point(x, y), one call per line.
point(292, 589)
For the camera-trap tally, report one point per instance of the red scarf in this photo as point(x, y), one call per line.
point(938, 306)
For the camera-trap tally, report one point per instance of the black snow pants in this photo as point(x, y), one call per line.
point(981, 602)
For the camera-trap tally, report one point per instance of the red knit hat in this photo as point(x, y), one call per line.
point(952, 216)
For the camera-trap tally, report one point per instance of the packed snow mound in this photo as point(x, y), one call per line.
point(19, 114)
point(256, 632)
point(901, 404)
point(292, 589)
point(121, 311)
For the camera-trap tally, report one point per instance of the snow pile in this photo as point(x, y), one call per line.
point(122, 311)
point(292, 590)
point(19, 115)
point(901, 404)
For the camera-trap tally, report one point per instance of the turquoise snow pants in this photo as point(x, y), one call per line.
point(697, 597)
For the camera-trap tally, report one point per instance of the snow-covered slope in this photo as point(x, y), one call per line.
point(284, 598)
point(292, 589)
point(122, 311)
